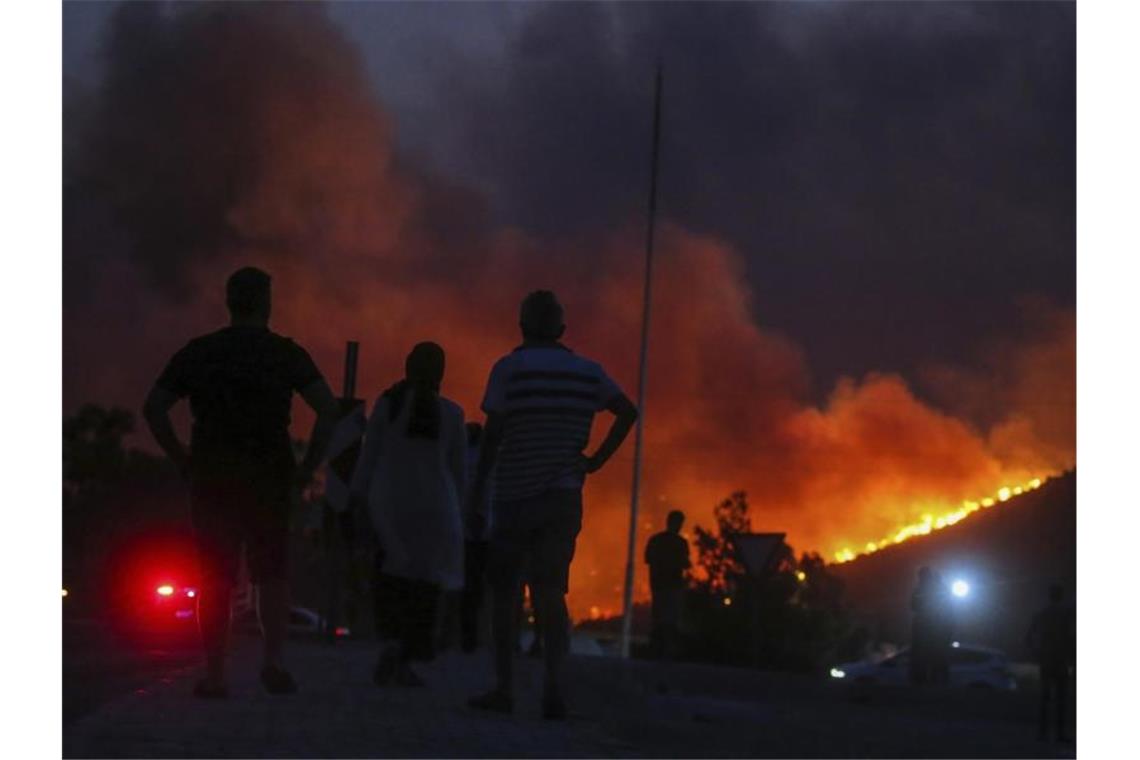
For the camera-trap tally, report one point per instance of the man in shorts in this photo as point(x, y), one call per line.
point(240, 468)
point(540, 404)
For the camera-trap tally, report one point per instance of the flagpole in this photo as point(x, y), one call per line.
point(627, 597)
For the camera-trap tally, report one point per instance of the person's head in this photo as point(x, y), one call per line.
point(541, 317)
point(675, 520)
point(424, 366)
point(1056, 592)
point(248, 296)
point(474, 433)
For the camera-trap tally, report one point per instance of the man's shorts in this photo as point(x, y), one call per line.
point(234, 512)
point(533, 540)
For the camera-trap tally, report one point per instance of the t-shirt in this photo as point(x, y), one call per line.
point(548, 396)
point(667, 555)
point(240, 382)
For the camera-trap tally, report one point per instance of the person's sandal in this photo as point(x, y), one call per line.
point(208, 688)
point(493, 701)
point(277, 680)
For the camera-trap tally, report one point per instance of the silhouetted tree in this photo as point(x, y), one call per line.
point(717, 565)
point(790, 616)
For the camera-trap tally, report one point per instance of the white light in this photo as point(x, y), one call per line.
point(837, 673)
point(955, 644)
point(960, 588)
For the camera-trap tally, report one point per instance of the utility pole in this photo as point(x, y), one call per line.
point(627, 597)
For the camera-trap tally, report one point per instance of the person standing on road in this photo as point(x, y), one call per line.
point(1052, 639)
point(475, 524)
point(667, 554)
point(240, 467)
point(411, 475)
point(923, 623)
point(540, 402)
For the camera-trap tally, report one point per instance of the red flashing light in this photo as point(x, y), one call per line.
point(165, 590)
point(341, 631)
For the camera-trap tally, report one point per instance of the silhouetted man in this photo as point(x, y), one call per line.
point(240, 467)
point(941, 635)
point(540, 404)
point(924, 635)
point(1052, 639)
point(667, 554)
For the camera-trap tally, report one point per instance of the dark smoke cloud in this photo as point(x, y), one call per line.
point(886, 164)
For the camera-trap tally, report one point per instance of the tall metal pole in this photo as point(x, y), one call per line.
point(627, 597)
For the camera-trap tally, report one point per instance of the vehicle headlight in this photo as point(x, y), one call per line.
point(837, 673)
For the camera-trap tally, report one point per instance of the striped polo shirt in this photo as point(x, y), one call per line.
point(548, 396)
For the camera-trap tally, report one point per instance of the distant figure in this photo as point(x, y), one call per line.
point(927, 610)
point(540, 404)
point(411, 473)
point(475, 525)
point(667, 554)
point(240, 381)
point(942, 626)
point(1052, 640)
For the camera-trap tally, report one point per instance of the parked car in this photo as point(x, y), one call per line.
point(970, 666)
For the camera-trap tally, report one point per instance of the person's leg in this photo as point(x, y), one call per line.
point(550, 604)
point(386, 606)
point(506, 553)
point(1062, 697)
point(273, 614)
point(474, 560)
point(538, 640)
point(218, 546)
point(214, 625)
point(421, 610)
point(1046, 685)
point(267, 553)
point(553, 552)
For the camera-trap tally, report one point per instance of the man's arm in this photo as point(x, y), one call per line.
point(320, 399)
point(625, 414)
point(488, 452)
point(156, 412)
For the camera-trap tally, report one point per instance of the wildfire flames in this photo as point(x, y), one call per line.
point(930, 523)
point(273, 150)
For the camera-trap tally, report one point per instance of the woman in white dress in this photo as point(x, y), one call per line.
point(411, 476)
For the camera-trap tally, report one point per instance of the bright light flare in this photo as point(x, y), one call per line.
point(728, 601)
point(164, 590)
point(960, 588)
point(837, 673)
point(64, 592)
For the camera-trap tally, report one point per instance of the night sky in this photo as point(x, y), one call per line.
point(889, 189)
